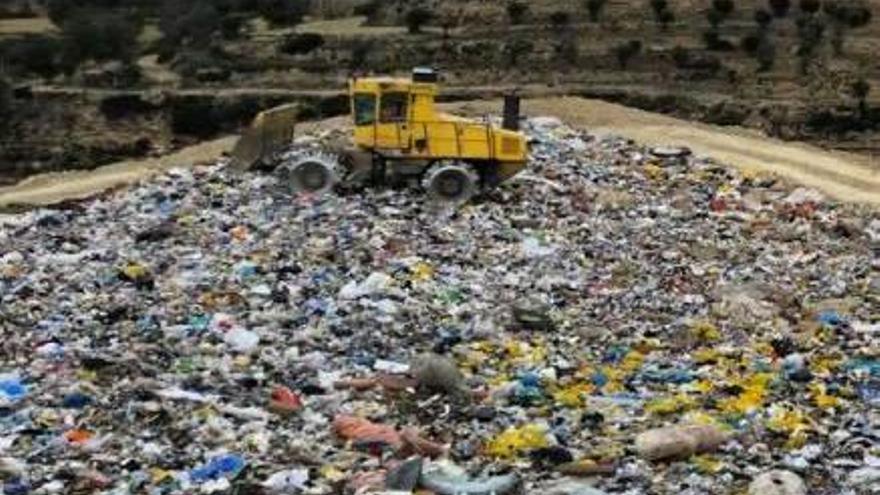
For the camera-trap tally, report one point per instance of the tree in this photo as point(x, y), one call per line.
point(810, 6)
point(594, 8)
point(188, 24)
point(780, 8)
point(715, 18)
point(659, 6)
point(5, 98)
point(725, 7)
point(860, 90)
point(763, 18)
point(283, 12)
point(560, 19)
point(33, 55)
point(626, 51)
point(567, 49)
point(750, 44)
point(811, 30)
point(662, 14)
point(665, 19)
point(516, 49)
point(416, 18)
point(845, 16)
point(766, 54)
point(302, 44)
point(370, 10)
point(100, 36)
point(517, 11)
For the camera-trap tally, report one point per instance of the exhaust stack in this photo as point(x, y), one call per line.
point(511, 112)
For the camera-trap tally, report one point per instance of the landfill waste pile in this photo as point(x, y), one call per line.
point(617, 320)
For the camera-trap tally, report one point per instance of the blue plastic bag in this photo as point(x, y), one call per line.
point(225, 466)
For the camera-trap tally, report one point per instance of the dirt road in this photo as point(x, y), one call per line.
point(844, 176)
point(847, 177)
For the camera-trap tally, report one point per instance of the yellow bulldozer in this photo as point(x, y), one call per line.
point(398, 135)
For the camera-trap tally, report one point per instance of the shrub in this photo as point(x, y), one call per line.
point(666, 18)
point(659, 6)
point(517, 11)
point(301, 44)
point(100, 36)
point(811, 31)
point(516, 49)
point(33, 55)
point(191, 24)
point(810, 6)
point(766, 54)
point(5, 98)
point(370, 9)
point(284, 12)
point(360, 53)
point(714, 41)
point(750, 44)
point(560, 19)
point(860, 89)
point(594, 8)
point(780, 8)
point(763, 18)
point(416, 18)
point(715, 18)
point(231, 26)
point(725, 7)
point(626, 51)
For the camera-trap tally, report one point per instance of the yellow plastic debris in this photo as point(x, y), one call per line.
point(751, 398)
point(791, 422)
point(707, 464)
point(135, 271)
point(422, 272)
point(706, 355)
point(670, 405)
point(632, 362)
point(705, 331)
point(654, 172)
point(515, 441)
point(330, 472)
point(159, 475)
point(573, 395)
point(821, 398)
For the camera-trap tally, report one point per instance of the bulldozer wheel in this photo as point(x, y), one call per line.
point(312, 173)
point(454, 182)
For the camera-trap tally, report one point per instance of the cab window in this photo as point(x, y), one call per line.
point(394, 107)
point(364, 109)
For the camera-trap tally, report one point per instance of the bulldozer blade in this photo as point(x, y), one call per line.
point(270, 132)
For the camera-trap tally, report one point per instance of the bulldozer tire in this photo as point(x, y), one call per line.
point(454, 182)
point(311, 173)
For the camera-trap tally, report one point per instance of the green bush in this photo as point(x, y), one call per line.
point(100, 36)
point(284, 12)
point(416, 18)
point(517, 11)
point(302, 44)
point(810, 6)
point(516, 49)
point(780, 8)
point(625, 52)
point(34, 55)
point(594, 8)
point(190, 24)
point(560, 19)
point(5, 99)
point(370, 9)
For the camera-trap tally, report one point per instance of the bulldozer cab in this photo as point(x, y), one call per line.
point(385, 110)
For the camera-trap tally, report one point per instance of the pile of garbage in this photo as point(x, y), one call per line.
point(618, 319)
